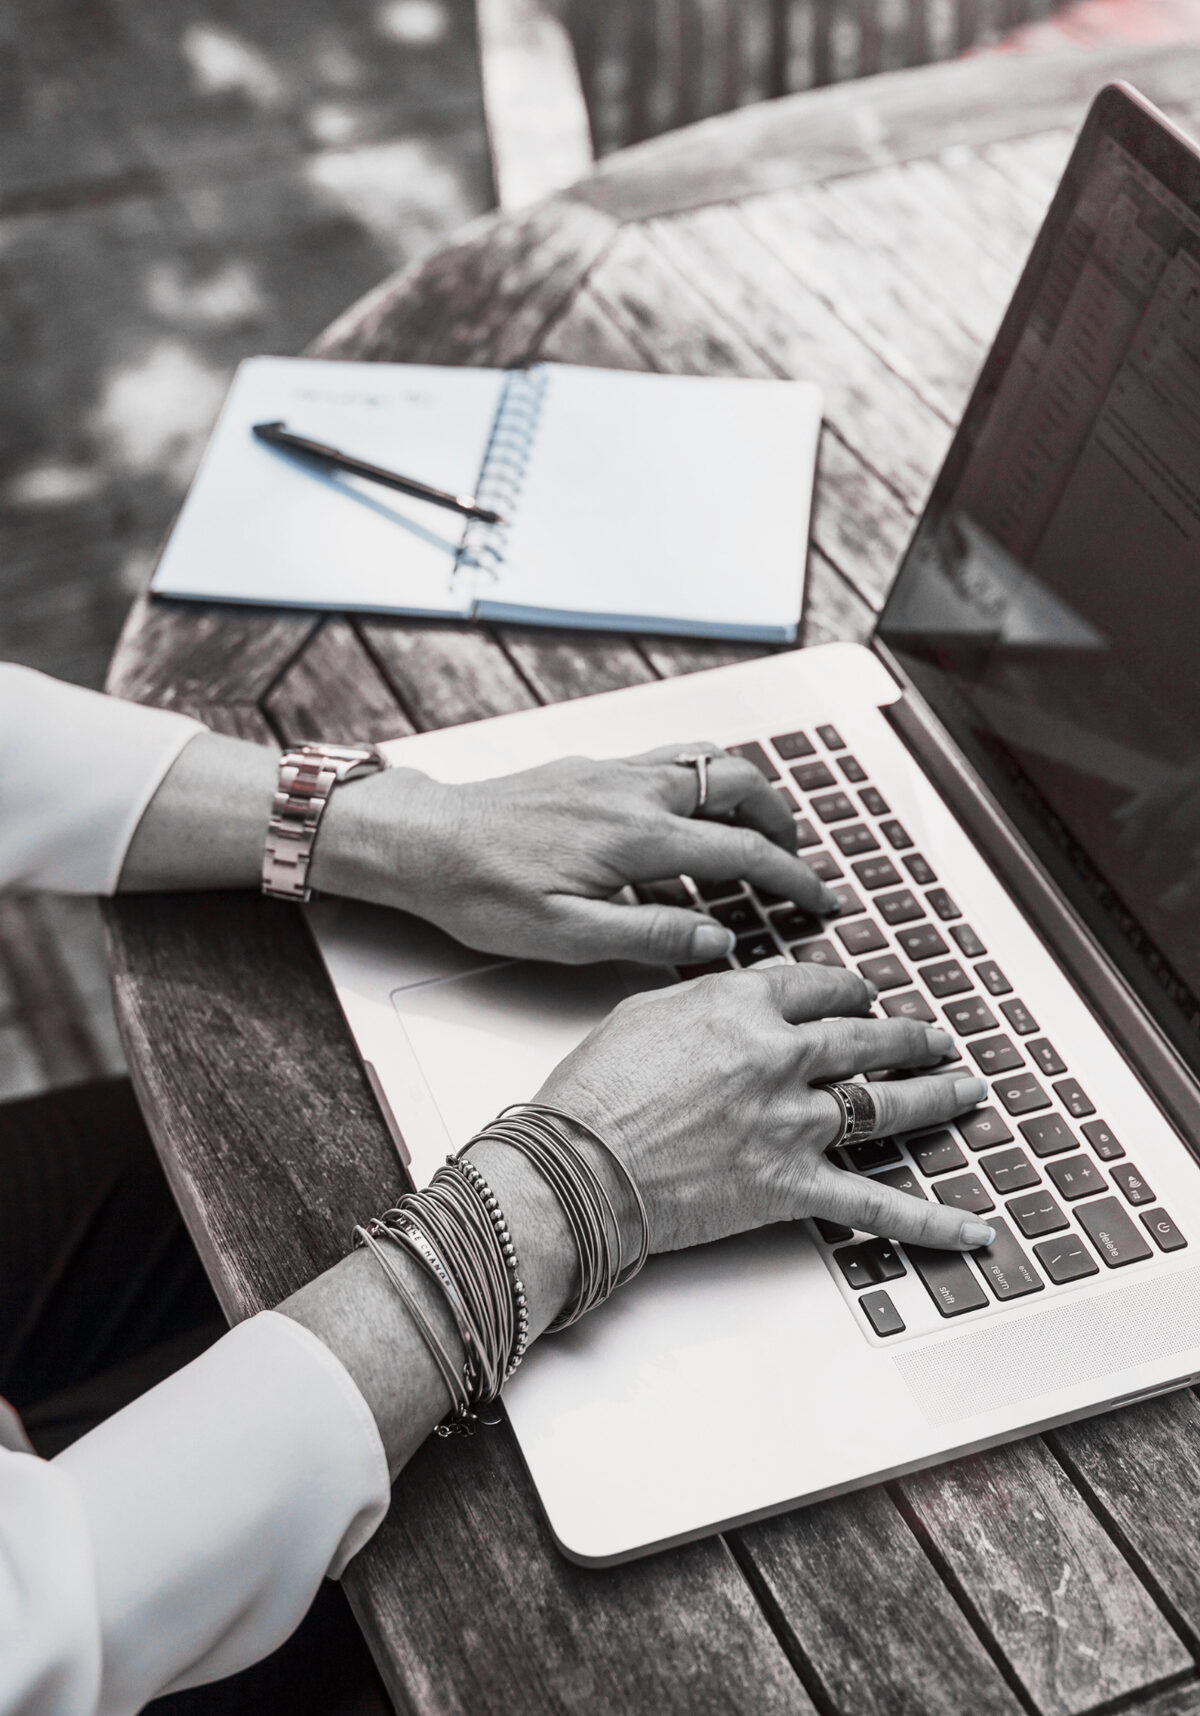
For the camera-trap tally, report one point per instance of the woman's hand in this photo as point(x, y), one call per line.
point(528, 864)
point(710, 1094)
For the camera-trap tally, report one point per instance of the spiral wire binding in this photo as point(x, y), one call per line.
point(505, 462)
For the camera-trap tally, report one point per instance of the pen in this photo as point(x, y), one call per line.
point(278, 435)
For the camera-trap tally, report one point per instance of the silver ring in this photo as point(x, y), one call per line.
point(859, 1116)
point(698, 760)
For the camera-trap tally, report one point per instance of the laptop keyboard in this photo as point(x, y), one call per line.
point(1035, 1159)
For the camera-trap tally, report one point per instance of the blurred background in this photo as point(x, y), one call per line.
point(187, 182)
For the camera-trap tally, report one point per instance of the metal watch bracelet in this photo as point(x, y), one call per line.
point(307, 777)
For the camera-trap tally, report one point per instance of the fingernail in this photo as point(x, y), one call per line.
point(712, 941)
point(976, 1233)
point(938, 1042)
point(871, 988)
point(968, 1090)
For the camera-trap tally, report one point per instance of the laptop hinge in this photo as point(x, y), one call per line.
point(1153, 1058)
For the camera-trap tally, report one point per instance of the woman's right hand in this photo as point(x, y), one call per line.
point(710, 1093)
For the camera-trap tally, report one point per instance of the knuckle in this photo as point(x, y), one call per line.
point(874, 1207)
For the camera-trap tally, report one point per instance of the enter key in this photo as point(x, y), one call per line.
point(1005, 1267)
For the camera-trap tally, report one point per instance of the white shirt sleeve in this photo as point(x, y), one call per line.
point(77, 771)
point(185, 1537)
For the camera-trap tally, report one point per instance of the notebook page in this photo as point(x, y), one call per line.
point(262, 526)
point(673, 503)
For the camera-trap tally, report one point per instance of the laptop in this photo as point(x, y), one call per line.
point(1004, 788)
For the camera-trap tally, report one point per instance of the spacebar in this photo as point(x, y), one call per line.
point(948, 1280)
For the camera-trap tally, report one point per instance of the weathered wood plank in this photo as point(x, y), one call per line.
point(1141, 1470)
point(187, 653)
point(485, 299)
point(334, 691)
point(560, 665)
point(235, 720)
point(669, 656)
point(1182, 1700)
point(586, 333)
point(851, 1590)
point(1075, 1624)
point(871, 122)
point(834, 610)
point(446, 673)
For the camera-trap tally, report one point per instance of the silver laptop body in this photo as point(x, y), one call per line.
point(1005, 788)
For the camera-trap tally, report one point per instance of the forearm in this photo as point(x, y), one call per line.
point(206, 824)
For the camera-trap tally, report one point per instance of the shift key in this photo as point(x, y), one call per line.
point(947, 1279)
point(1005, 1267)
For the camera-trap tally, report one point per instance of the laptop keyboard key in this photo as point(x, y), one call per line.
point(1112, 1233)
point(1010, 1171)
point(1022, 1095)
point(945, 979)
point(1162, 1230)
point(871, 1153)
point(895, 833)
point(750, 949)
point(741, 916)
point(1019, 1017)
point(852, 769)
point(921, 871)
point(754, 753)
point(832, 1232)
point(965, 1192)
point(833, 807)
point(710, 968)
point(885, 973)
point(861, 935)
point(992, 978)
point(806, 836)
point(816, 953)
point(902, 1179)
point(824, 865)
point(968, 942)
point(718, 890)
point(1005, 1267)
point(788, 745)
point(924, 942)
point(1074, 1098)
point(1036, 1213)
point(1066, 1259)
point(874, 801)
point(882, 1315)
point(1132, 1184)
point(899, 908)
point(947, 1279)
point(936, 1153)
point(849, 904)
point(910, 1006)
point(855, 839)
point(811, 777)
point(1045, 1056)
point(995, 1054)
point(1102, 1139)
point(969, 1015)
point(854, 1266)
point(791, 924)
point(983, 1129)
point(1048, 1135)
point(831, 738)
point(1076, 1176)
point(785, 797)
point(876, 873)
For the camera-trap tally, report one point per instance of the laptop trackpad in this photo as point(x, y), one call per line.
point(489, 1037)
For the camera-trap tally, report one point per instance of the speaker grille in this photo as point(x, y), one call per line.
point(1062, 1347)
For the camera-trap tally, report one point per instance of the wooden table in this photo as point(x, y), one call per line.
point(868, 237)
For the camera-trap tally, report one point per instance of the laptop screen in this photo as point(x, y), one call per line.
point(1049, 604)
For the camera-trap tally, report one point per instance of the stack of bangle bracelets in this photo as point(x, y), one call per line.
point(457, 1233)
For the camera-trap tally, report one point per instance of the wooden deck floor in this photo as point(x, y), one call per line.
point(181, 185)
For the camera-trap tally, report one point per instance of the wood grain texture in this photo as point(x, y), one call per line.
point(188, 653)
point(853, 1592)
point(445, 673)
point(561, 665)
point(334, 691)
point(1037, 1568)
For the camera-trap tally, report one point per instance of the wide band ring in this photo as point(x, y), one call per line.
point(859, 1115)
point(698, 760)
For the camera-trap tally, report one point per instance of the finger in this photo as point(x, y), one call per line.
point(801, 993)
point(653, 935)
point(857, 1201)
point(714, 852)
point(736, 788)
point(909, 1105)
point(837, 1048)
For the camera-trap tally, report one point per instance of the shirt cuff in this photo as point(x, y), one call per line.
point(218, 1501)
point(77, 771)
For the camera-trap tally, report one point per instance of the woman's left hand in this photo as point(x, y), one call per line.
point(528, 864)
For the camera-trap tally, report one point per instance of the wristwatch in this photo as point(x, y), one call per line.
point(307, 777)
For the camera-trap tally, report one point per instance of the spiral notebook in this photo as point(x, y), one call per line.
point(631, 502)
